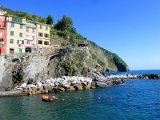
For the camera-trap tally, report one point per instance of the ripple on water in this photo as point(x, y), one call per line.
point(141, 103)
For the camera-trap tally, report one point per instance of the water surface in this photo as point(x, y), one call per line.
point(136, 100)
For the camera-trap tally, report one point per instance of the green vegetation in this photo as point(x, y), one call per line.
point(29, 17)
point(65, 24)
point(50, 20)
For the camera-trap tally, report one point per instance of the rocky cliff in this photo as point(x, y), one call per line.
point(57, 62)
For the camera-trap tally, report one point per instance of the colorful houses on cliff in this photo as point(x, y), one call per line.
point(17, 35)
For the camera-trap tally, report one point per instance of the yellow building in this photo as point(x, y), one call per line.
point(16, 33)
point(43, 35)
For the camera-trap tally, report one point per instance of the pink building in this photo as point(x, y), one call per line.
point(30, 39)
point(2, 35)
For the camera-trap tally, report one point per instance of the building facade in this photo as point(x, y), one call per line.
point(20, 36)
point(43, 35)
point(2, 35)
point(31, 37)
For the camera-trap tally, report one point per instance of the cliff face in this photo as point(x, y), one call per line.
point(98, 55)
point(64, 61)
point(108, 60)
point(81, 61)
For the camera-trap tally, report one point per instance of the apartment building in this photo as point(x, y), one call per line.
point(20, 36)
point(43, 35)
point(2, 35)
point(16, 33)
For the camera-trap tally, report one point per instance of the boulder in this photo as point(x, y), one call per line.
point(46, 91)
point(38, 92)
point(93, 87)
point(25, 90)
point(88, 86)
point(33, 92)
point(71, 88)
point(78, 87)
point(62, 89)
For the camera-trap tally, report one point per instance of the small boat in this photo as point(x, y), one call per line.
point(48, 98)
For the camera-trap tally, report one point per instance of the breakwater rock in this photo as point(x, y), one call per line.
point(135, 76)
point(67, 84)
point(63, 84)
point(101, 81)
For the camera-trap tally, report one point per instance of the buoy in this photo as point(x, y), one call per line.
point(128, 95)
point(110, 97)
point(99, 98)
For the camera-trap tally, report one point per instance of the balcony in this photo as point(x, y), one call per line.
point(17, 20)
point(29, 38)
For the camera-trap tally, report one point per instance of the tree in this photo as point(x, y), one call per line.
point(50, 20)
point(21, 14)
point(73, 30)
point(28, 17)
point(34, 17)
point(64, 24)
point(42, 20)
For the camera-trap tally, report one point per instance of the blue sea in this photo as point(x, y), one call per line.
point(134, 100)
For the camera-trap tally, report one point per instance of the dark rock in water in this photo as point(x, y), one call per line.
point(151, 76)
point(118, 81)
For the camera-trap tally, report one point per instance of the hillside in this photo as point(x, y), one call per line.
point(70, 54)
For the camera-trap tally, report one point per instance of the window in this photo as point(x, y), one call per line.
point(14, 19)
point(12, 33)
point(33, 37)
point(20, 42)
point(33, 30)
point(11, 41)
point(40, 42)
point(27, 29)
point(46, 35)
point(46, 43)
point(40, 26)
point(46, 27)
point(28, 42)
point(40, 34)
point(1, 39)
point(21, 26)
point(20, 34)
point(11, 51)
point(12, 24)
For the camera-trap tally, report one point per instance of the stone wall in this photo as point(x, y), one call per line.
point(2, 67)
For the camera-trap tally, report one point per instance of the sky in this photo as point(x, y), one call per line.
point(129, 28)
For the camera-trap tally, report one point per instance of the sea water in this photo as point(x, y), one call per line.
point(134, 100)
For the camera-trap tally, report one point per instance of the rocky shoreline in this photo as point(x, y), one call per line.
point(67, 84)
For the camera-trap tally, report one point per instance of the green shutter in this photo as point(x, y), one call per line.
point(12, 33)
point(20, 51)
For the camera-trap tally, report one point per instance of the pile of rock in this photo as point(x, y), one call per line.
point(56, 85)
point(134, 76)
